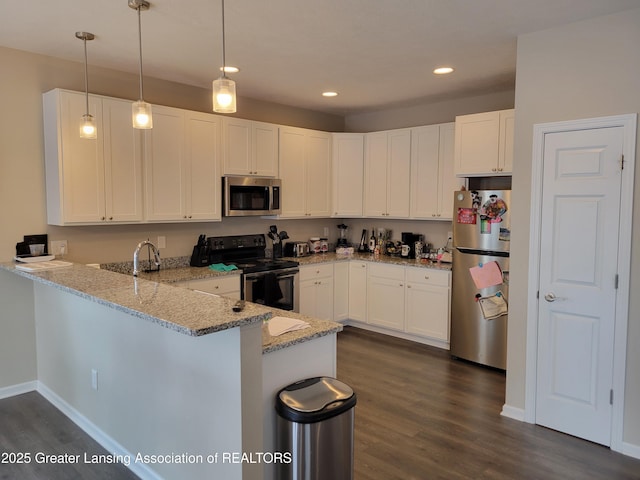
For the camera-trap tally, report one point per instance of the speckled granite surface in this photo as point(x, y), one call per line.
point(332, 257)
point(179, 309)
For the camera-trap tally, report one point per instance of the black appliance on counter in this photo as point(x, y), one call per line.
point(411, 239)
point(267, 281)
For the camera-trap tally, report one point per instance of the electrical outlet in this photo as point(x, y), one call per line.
point(94, 379)
point(326, 232)
point(449, 235)
point(162, 241)
point(59, 247)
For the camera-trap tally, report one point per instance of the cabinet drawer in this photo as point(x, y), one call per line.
point(390, 272)
point(221, 286)
point(309, 272)
point(428, 276)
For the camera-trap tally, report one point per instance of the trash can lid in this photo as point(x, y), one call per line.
point(314, 399)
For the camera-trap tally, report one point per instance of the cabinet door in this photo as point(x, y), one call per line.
point(318, 174)
point(448, 182)
point(375, 175)
point(228, 286)
point(164, 166)
point(237, 143)
point(292, 172)
point(324, 298)
point(427, 303)
point(77, 161)
point(340, 291)
point(122, 162)
point(476, 147)
point(265, 149)
point(507, 135)
point(358, 291)
point(385, 294)
point(308, 297)
point(398, 174)
point(348, 174)
point(201, 167)
point(425, 174)
point(249, 148)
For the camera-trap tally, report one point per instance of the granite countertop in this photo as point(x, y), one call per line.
point(179, 309)
point(153, 297)
point(368, 257)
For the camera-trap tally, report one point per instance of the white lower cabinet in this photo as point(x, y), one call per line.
point(340, 291)
point(316, 291)
point(358, 290)
point(427, 302)
point(227, 286)
point(385, 294)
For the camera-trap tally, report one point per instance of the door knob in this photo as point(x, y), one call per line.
point(550, 297)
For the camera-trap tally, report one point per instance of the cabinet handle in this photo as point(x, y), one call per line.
point(426, 277)
point(110, 218)
point(408, 286)
point(103, 219)
point(401, 285)
point(217, 287)
point(499, 169)
point(189, 216)
point(494, 169)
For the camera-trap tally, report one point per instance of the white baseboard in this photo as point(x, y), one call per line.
point(108, 443)
point(432, 342)
point(631, 450)
point(13, 390)
point(512, 412)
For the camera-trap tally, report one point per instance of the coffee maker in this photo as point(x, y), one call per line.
point(410, 239)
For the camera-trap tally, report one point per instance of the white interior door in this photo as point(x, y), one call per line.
point(578, 281)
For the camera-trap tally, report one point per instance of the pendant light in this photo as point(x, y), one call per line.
point(87, 124)
point(141, 110)
point(224, 89)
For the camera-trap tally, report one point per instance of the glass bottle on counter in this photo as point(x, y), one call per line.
point(372, 241)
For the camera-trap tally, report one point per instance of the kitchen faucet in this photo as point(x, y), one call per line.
point(136, 254)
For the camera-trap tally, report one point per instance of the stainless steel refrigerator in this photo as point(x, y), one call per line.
point(480, 276)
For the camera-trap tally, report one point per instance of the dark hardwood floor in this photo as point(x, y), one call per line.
point(422, 415)
point(30, 424)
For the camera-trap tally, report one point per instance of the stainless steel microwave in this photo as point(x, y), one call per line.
point(247, 196)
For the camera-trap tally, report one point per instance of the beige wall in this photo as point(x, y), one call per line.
point(442, 111)
point(582, 70)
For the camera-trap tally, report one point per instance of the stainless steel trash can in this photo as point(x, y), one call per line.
point(315, 424)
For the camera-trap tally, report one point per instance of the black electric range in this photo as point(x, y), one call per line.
point(247, 252)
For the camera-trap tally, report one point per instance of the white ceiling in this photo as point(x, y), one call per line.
point(375, 53)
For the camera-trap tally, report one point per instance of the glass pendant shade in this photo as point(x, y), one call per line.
point(141, 115)
point(88, 127)
point(224, 95)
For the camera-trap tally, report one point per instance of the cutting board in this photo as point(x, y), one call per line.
point(42, 266)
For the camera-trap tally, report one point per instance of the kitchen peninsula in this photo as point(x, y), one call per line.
point(153, 369)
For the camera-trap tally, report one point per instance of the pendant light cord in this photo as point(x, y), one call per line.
point(86, 76)
point(224, 61)
point(140, 44)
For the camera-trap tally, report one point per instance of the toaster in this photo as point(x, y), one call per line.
point(296, 249)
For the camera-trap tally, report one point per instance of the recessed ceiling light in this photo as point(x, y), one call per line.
point(443, 70)
point(329, 94)
point(229, 69)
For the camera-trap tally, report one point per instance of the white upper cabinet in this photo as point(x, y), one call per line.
point(249, 148)
point(432, 176)
point(91, 181)
point(484, 144)
point(182, 173)
point(348, 174)
point(386, 172)
point(305, 170)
